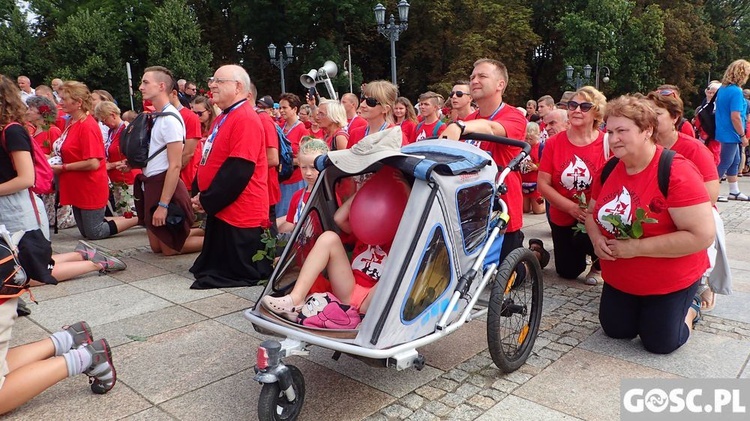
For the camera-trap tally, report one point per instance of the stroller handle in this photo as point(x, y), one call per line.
point(526, 148)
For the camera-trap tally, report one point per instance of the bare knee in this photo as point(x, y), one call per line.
point(328, 238)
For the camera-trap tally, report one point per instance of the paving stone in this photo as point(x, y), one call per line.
point(513, 408)
point(704, 355)
point(137, 270)
point(438, 408)
point(457, 375)
point(396, 411)
point(25, 331)
point(584, 383)
point(452, 400)
point(151, 414)
point(493, 394)
point(481, 402)
point(479, 380)
point(376, 417)
point(430, 393)
point(65, 400)
point(412, 401)
point(219, 305)
point(537, 361)
point(549, 354)
point(143, 326)
point(174, 288)
point(467, 390)
point(559, 347)
point(248, 293)
point(89, 282)
point(236, 397)
point(444, 384)
point(457, 347)
point(388, 380)
point(504, 385)
point(194, 356)
point(238, 321)
point(465, 412)
point(97, 307)
point(422, 415)
point(567, 340)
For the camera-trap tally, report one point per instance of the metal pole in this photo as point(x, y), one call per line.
point(597, 70)
point(393, 60)
point(283, 85)
point(130, 85)
point(349, 48)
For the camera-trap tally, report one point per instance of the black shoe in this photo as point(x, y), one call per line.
point(22, 309)
point(537, 245)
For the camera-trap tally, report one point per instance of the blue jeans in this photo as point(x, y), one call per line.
point(729, 163)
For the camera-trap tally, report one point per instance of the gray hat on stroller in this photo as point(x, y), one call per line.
point(368, 151)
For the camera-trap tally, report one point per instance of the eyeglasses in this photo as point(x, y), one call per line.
point(458, 94)
point(321, 115)
point(667, 92)
point(199, 113)
point(370, 101)
point(219, 80)
point(190, 89)
point(585, 106)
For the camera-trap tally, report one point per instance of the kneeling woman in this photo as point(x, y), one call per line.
point(650, 282)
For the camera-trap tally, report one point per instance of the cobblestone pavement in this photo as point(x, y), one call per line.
point(188, 355)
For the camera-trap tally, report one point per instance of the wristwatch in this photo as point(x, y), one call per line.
point(460, 124)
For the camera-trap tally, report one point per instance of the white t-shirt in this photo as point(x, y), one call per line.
point(167, 129)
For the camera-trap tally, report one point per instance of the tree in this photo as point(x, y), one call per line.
point(85, 48)
point(19, 49)
point(174, 41)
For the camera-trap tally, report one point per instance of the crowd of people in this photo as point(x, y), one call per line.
point(211, 186)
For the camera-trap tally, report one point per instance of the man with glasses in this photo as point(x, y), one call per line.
point(488, 82)
point(233, 182)
point(460, 98)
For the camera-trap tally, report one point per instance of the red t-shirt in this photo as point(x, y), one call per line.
point(114, 155)
point(355, 122)
point(86, 190)
point(295, 134)
point(623, 194)
point(515, 128)
point(46, 139)
point(240, 136)
point(573, 169)
point(360, 132)
point(319, 134)
point(297, 204)
point(192, 131)
point(408, 127)
point(423, 130)
point(687, 129)
point(697, 153)
point(272, 141)
point(531, 176)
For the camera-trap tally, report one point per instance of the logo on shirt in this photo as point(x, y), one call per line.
point(576, 176)
point(622, 205)
point(371, 262)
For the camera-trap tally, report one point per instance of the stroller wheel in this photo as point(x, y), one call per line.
point(273, 403)
point(515, 310)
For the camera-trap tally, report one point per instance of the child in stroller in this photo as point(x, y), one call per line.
point(351, 282)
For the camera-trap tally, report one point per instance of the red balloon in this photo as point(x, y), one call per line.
point(377, 209)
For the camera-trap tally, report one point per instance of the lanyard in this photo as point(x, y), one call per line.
point(110, 137)
point(383, 127)
point(286, 132)
point(499, 107)
point(350, 122)
point(209, 143)
point(301, 205)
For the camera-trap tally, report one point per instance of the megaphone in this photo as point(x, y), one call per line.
point(329, 68)
point(308, 80)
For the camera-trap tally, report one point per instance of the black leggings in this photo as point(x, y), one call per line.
point(658, 319)
point(570, 250)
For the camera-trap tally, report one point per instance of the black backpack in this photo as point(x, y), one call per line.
point(662, 175)
point(707, 117)
point(135, 140)
point(286, 155)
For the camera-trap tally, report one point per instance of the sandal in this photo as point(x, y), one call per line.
point(537, 245)
point(696, 305)
point(593, 277)
point(707, 297)
point(281, 306)
point(738, 196)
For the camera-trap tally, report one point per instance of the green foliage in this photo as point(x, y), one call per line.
point(85, 49)
point(623, 230)
point(18, 46)
point(175, 42)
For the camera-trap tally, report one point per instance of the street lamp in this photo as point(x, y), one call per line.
point(281, 62)
point(577, 81)
point(605, 79)
point(392, 30)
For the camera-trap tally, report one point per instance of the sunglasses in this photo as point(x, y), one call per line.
point(458, 94)
point(585, 106)
point(199, 113)
point(667, 92)
point(370, 101)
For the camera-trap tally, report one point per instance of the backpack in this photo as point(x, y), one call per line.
point(13, 279)
point(136, 138)
point(286, 155)
point(707, 118)
point(662, 175)
point(43, 175)
point(434, 130)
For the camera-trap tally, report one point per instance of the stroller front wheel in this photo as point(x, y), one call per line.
point(515, 310)
point(273, 403)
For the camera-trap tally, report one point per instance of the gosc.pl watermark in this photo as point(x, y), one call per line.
point(684, 399)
